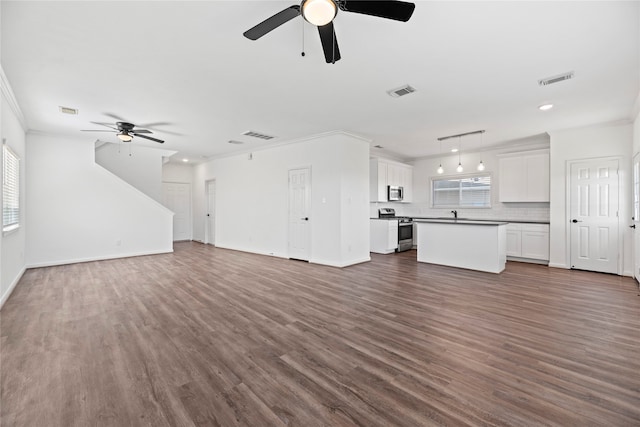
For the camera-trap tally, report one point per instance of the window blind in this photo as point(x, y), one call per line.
point(470, 191)
point(10, 189)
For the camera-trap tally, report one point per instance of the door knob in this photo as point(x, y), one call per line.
point(208, 215)
point(632, 226)
point(305, 218)
point(575, 220)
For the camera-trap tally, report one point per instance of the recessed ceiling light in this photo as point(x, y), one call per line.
point(67, 110)
point(545, 107)
point(454, 150)
point(185, 160)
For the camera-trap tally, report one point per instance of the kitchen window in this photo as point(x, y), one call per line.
point(469, 191)
point(10, 189)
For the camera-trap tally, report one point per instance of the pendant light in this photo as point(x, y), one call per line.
point(440, 169)
point(481, 165)
point(459, 168)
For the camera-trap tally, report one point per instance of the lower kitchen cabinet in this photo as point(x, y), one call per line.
point(528, 242)
point(383, 236)
point(514, 240)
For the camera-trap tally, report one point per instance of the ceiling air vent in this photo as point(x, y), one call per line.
point(67, 110)
point(258, 135)
point(556, 79)
point(401, 91)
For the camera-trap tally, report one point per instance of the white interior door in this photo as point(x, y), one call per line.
point(636, 216)
point(594, 215)
point(211, 213)
point(299, 210)
point(177, 197)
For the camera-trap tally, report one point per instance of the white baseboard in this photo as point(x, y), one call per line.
point(556, 265)
point(252, 251)
point(340, 264)
point(99, 258)
point(7, 294)
point(286, 256)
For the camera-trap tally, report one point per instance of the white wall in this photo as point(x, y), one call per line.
point(613, 140)
point(252, 198)
point(138, 165)
point(79, 211)
point(13, 244)
point(636, 134)
point(174, 172)
point(424, 169)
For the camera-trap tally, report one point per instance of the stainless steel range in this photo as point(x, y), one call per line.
point(405, 228)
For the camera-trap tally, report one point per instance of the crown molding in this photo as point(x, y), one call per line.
point(287, 142)
point(8, 94)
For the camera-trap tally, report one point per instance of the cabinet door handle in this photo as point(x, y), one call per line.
point(575, 221)
point(632, 226)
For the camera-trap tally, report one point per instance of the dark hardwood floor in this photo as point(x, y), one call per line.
point(207, 336)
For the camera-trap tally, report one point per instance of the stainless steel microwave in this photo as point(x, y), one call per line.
point(395, 193)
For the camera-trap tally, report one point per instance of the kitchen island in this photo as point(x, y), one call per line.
point(475, 245)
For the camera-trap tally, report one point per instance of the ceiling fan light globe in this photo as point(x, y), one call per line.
point(125, 137)
point(319, 12)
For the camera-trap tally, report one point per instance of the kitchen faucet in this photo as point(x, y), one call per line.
point(455, 214)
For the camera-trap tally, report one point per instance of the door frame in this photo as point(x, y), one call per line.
point(206, 209)
point(190, 203)
point(635, 220)
point(567, 210)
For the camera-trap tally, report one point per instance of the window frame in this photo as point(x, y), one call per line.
point(460, 177)
point(9, 155)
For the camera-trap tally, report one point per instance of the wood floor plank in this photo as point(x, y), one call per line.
point(213, 337)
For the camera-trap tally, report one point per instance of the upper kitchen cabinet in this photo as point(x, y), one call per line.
point(383, 173)
point(524, 177)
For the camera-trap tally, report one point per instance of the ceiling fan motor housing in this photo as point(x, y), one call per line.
point(124, 126)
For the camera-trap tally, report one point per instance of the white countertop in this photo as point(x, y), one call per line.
point(460, 222)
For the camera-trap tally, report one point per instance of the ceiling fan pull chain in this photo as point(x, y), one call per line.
point(302, 20)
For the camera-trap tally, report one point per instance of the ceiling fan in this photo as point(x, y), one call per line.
point(125, 131)
point(321, 14)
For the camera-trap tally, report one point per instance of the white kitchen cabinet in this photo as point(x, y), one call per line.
point(527, 241)
point(383, 235)
point(514, 240)
point(406, 182)
point(377, 181)
point(383, 173)
point(535, 241)
point(524, 177)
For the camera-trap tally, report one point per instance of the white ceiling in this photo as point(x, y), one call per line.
point(185, 70)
